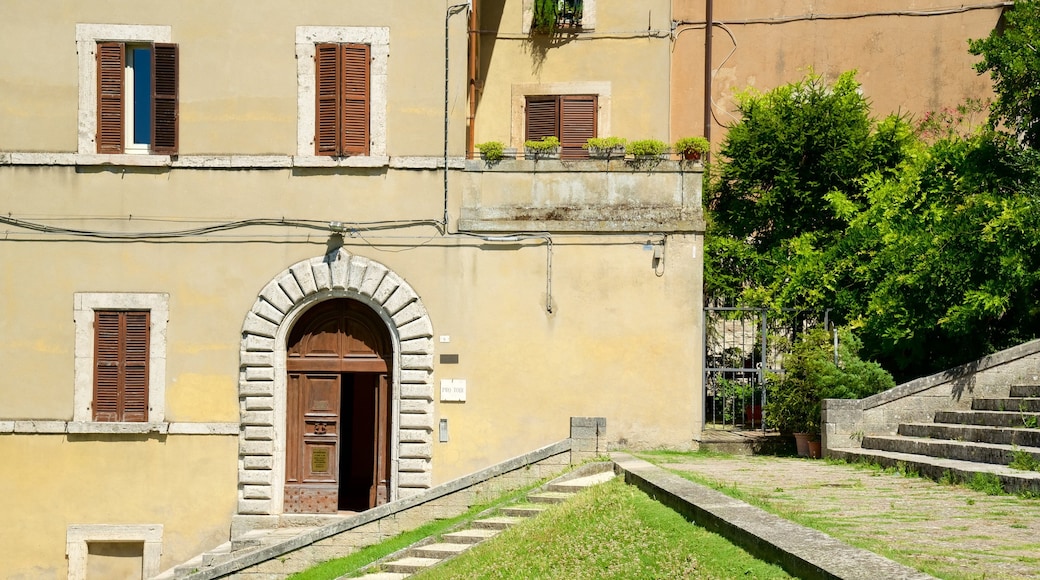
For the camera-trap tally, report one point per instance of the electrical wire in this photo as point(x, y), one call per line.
point(857, 15)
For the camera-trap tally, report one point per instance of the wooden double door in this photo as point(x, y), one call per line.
point(338, 410)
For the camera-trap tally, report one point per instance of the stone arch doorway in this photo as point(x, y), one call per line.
point(338, 357)
point(396, 309)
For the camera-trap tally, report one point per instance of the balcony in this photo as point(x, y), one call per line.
point(618, 196)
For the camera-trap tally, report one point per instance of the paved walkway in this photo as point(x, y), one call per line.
point(946, 531)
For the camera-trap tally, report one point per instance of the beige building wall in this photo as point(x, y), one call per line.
point(912, 57)
point(622, 339)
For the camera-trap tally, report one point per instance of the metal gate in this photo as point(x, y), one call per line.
point(743, 353)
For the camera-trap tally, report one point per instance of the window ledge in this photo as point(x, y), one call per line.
point(115, 428)
point(329, 161)
point(226, 161)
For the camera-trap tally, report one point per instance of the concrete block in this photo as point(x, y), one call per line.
point(417, 421)
point(254, 506)
point(322, 275)
point(416, 406)
point(287, 282)
point(259, 403)
point(256, 388)
point(259, 433)
point(356, 272)
point(422, 345)
point(304, 277)
point(374, 274)
point(414, 361)
point(264, 373)
point(397, 301)
point(256, 476)
point(414, 465)
point(417, 328)
point(267, 311)
point(247, 358)
point(256, 448)
point(409, 313)
point(414, 435)
point(387, 286)
point(259, 326)
point(256, 491)
point(338, 270)
point(258, 462)
point(255, 343)
point(417, 391)
point(261, 418)
point(416, 451)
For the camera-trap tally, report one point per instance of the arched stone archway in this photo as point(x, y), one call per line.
point(262, 372)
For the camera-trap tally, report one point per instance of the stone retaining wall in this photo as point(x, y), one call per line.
point(846, 422)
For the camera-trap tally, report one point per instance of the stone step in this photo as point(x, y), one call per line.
point(978, 433)
point(1020, 404)
point(1012, 480)
point(580, 483)
point(380, 576)
point(440, 551)
point(960, 450)
point(990, 418)
point(549, 497)
point(497, 523)
point(410, 565)
point(470, 536)
point(1025, 390)
point(522, 511)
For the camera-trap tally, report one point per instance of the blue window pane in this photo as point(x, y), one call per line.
point(142, 59)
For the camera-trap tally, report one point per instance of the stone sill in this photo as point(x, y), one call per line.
point(54, 427)
point(225, 161)
point(584, 166)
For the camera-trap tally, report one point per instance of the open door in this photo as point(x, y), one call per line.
point(338, 411)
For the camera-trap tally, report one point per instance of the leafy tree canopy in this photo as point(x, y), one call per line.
point(1010, 54)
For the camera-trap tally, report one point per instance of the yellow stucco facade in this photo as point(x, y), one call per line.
point(543, 290)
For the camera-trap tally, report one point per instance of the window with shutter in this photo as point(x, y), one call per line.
point(121, 354)
point(571, 118)
point(342, 99)
point(137, 97)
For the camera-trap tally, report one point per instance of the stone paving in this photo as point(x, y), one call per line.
point(946, 531)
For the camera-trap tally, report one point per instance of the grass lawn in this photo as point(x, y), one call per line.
point(612, 530)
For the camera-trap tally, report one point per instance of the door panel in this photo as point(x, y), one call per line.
point(312, 443)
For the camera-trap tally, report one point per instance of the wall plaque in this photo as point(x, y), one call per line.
point(320, 460)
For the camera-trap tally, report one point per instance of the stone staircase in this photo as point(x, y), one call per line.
point(432, 551)
point(961, 444)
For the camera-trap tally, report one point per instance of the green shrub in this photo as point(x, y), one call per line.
point(691, 145)
point(793, 403)
point(647, 147)
point(604, 143)
point(543, 145)
point(491, 150)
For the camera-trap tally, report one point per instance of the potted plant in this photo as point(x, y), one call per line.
point(647, 148)
point(605, 147)
point(544, 148)
point(813, 372)
point(691, 148)
point(491, 150)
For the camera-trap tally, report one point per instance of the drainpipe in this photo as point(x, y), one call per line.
point(709, 25)
point(455, 9)
point(474, 48)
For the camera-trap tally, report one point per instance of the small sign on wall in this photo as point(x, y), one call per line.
point(453, 390)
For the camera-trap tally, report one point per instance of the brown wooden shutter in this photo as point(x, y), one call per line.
point(326, 117)
point(542, 118)
point(164, 99)
point(121, 366)
point(111, 59)
point(355, 61)
point(577, 124)
point(135, 366)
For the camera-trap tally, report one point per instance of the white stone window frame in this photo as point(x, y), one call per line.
point(85, 304)
point(77, 536)
point(378, 39)
point(520, 92)
point(588, 16)
point(87, 38)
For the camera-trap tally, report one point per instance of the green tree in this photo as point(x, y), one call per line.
point(1010, 54)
